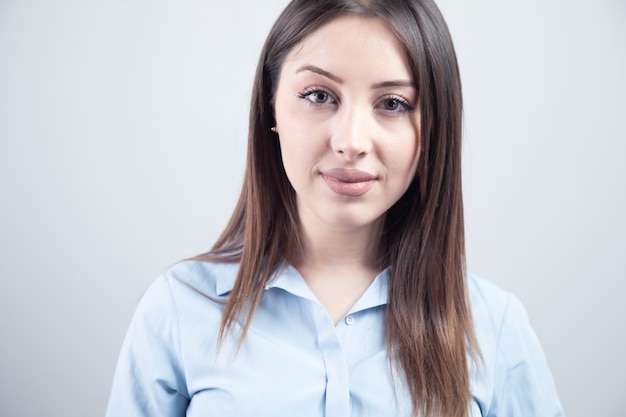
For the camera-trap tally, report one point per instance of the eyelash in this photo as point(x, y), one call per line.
point(402, 102)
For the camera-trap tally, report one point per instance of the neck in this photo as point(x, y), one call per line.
point(324, 247)
point(338, 265)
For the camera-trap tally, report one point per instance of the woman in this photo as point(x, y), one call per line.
point(338, 288)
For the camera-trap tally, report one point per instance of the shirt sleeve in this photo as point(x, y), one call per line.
point(524, 384)
point(149, 378)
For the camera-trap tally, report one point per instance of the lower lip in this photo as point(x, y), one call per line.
point(350, 189)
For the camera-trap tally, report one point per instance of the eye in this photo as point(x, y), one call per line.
point(391, 104)
point(395, 105)
point(317, 96)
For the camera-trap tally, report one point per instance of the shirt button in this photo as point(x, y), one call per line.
point(349, 320)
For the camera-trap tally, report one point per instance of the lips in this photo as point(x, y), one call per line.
point(348, 182)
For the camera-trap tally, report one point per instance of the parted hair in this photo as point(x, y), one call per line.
point(428, 326)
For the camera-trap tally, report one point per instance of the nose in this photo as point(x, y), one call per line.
point(351, 138)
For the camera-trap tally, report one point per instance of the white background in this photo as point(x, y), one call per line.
point(122, 138)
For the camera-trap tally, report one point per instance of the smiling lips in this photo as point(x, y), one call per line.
point(348, 182)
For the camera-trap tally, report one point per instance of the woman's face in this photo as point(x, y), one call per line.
point(347, 116)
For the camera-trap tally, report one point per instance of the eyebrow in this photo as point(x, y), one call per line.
point(383, 84)
point(320, 71)
point(395, 83)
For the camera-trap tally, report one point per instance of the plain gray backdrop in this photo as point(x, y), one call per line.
point(122, 139)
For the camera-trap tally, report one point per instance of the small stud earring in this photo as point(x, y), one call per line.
point(273, 129)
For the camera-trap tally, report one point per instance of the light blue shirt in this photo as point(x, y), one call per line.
point(296, 362)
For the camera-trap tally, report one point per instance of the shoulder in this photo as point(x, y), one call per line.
point(489, 302)
point(207, 278)
point(496, 313)
point(181, 305)
point(183, 289)
point(514, 373)
point(213, 279)
point(170, 322)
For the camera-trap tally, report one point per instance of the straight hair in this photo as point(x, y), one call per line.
point(428, 326)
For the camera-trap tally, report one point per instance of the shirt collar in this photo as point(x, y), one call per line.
point(376, 294)
point(225, 276)
point(289, 279)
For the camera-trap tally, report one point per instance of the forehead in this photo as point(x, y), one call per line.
point(353, 41)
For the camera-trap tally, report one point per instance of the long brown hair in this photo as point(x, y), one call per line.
point(428, 325)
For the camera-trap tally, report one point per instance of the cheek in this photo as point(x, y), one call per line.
point(298, 150)
point(403, 155)
point(301, 138)
point(296, 144)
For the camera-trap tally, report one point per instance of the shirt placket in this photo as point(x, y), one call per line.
point(337, 402)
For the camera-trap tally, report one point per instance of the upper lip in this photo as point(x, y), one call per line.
point(349, 175)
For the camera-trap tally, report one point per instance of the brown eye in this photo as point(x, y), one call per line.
point(394, 106)
point(317, 96)
point(391, 104)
